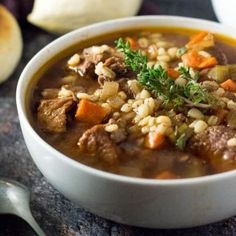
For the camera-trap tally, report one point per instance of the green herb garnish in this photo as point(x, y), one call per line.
point(181, 142)
point(181, 51)
point(160, 84)
point(182, 139)
point(193, 90)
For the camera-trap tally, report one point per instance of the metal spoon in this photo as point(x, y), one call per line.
point(14, 199)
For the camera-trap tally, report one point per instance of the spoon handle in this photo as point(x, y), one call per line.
point(34, 225)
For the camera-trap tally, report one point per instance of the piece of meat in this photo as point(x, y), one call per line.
point(218, 54)
point(117, 65)
point(91, 57)
point(230, 95)
point(96, 141)
point(52, 114)
point(212, 142)
point(123, 85)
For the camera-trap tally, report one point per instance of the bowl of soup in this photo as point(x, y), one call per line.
point(134, 119)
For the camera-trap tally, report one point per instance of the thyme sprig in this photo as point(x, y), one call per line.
point(156, 80)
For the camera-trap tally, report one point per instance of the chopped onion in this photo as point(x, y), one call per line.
point(115, 102)
point(109, 89)
point(221, 73)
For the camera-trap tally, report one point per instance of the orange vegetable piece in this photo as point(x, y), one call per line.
point(166, 175)
point(208, 62)
point(192, 58)
point(197, 61)
point(154, 140)
point(90, 112)
point(172, 73)
point(133, 44)
point(229, 85)
point(200, 41)
point(196, 39)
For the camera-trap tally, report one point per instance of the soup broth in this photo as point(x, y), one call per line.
point(148, 103)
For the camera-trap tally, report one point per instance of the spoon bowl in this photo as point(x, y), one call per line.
point(14, 200)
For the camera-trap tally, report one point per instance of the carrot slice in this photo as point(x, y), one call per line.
point(200, 41)
point(197, 61)
point(229, 85)
point(154, 140)
point(208, 62)
point(173, 73)
point(196, 39)
point(90, 112)
point(192, 59)
point(166, 175)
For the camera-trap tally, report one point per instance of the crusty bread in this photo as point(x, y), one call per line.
point(10, 43)
point(61, 16)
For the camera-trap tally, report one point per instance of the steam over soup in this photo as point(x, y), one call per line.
point(150, 103)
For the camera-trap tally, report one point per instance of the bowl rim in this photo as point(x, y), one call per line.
point(20, 100)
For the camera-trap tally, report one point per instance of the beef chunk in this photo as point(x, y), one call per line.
point(96, 141)
point(117, 65)
point(92, 56)
point(218, 54)
point(213, 142)
point(123, 85)
point(52, 114)
point(230, 95)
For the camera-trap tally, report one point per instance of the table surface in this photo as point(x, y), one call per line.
point(55, 214)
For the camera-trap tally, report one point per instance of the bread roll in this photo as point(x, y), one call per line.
point(10, 43)
point(60, 16)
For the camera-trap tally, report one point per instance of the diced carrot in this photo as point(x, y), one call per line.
point(229, 85)
point(154, 140)
point(166, 175)
point(197, 61)
point(196, 38)
point(133, 44)
point(192, 58)
point(90, 112)
point(200, 41)
point(208, 62)
point(173, 73)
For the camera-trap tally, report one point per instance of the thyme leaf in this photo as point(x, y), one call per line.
point(156, 80)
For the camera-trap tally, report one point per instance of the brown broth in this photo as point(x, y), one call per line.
point(151, 162)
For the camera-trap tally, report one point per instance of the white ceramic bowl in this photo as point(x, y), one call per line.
point(133, 201)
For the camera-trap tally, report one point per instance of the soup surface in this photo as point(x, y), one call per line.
point(150, 103)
